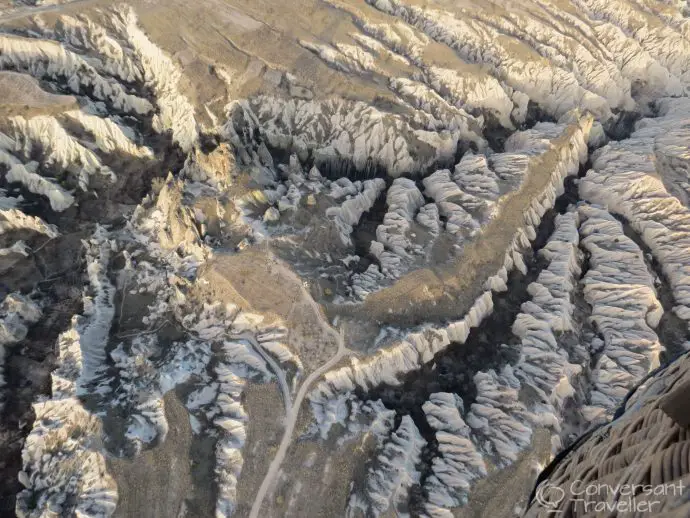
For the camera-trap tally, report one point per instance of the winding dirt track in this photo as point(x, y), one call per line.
point(280, 374)
point(290, 422)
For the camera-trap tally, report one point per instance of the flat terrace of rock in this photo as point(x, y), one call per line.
point(258, 282)
point(22, 95)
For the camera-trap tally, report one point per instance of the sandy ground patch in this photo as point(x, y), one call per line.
point(164, 481)
point(264, 431)
point(22, 95)
point(258, 282)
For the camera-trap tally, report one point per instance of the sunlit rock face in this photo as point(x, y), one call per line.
point(330, 258)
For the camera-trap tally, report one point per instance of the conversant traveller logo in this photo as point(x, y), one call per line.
point(549, 496)
point(594, 497)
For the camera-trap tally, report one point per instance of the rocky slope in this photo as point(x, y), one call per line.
point(461, 259)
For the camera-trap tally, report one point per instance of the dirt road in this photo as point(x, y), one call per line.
point(290, 422)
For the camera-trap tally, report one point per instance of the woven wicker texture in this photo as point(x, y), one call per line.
point(636, 466)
